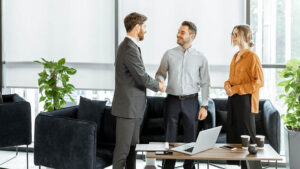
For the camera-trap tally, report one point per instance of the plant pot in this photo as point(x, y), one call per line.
point(292, 148)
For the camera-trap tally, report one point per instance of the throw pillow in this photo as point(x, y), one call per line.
point(91, 110)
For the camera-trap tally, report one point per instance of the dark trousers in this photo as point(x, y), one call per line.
point(240, 120)
point(127, 136)
point(187, 109)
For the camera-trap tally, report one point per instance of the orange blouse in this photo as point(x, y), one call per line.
point(246, 77)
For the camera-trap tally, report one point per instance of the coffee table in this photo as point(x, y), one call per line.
point(217, 153)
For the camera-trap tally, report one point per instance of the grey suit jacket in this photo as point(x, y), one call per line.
point(131, 81)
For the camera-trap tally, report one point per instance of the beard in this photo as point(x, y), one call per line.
point(141, 35)
point(180, 41)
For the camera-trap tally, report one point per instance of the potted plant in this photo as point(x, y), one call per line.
point(291, 84)
point(54, 84)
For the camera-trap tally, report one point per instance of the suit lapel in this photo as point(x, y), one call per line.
point(140, 55)
point(137, 47)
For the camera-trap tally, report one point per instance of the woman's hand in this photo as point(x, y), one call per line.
point(228, 90)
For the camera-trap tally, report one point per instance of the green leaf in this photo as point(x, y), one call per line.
point(287, 88)
point(288, 74)
point(44, 60)
point(281, 96)
point(42, 99)
point(73, 100)
point(71, 71)
point(41, 89)
point(71, 86)
point(43, 74)
point(36, 61)
point(284, 83)
point(61, 61)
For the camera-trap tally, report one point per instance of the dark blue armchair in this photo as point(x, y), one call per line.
point(15, 122)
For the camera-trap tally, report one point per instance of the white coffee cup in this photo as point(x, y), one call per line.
point(260, 141)
point(245, 141)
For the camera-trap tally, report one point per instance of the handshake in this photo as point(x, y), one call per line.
point(162, 86)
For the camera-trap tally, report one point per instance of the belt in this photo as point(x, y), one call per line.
point(181, 97)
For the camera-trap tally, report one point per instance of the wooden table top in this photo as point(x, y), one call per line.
point(217, 153)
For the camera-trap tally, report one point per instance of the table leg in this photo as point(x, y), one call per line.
point(150, 163)
point(253, 165)
point(276, 164)
point(207, 164)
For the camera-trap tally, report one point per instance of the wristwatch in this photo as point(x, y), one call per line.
point(206, 107)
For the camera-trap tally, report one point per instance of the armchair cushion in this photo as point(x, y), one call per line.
point(1, 100)
point(107, 134)
point(221, 117)
point(259, 123)
point(91, 110)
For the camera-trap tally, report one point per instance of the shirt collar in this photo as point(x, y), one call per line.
point(183, 50)
point(136, 42)
point(243, 55)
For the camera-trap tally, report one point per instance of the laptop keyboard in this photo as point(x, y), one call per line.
point(189, 149)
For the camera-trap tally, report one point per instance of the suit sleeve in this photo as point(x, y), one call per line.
point(137, 70)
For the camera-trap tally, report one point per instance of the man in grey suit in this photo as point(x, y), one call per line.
point(129, 102)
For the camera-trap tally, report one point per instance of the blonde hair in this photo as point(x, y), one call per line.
point(244, 32)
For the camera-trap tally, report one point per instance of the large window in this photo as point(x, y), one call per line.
point(275, 24)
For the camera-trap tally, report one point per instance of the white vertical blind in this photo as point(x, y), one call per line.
point(214, 20)
point(82, 31)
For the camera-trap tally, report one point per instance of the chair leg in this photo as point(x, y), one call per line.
point(11, 157)
point(39, 167)
point(27, 155)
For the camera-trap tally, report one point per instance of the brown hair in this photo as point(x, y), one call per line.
point(245, 33)
point(191, 25)
point(132, 19)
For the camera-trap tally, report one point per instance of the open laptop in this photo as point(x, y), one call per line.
point(206, 140)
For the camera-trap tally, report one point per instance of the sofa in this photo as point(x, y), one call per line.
point(267, 121)
point(64, 141)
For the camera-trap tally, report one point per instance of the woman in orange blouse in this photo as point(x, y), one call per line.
point(242, 87)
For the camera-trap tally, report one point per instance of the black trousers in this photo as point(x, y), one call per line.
point(240, 120)
point(187, 109)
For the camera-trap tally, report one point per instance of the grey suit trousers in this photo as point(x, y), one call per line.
point(127, 136)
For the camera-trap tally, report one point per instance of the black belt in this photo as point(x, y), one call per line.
point(181, 97)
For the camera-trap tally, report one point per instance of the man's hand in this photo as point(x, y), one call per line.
point(162, 86)
point(228, 90)
point(202, 114)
